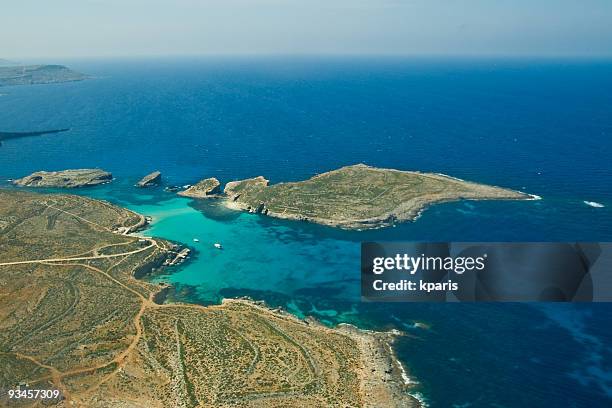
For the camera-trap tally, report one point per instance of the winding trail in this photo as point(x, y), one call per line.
point(82, 258)
point(56, 376)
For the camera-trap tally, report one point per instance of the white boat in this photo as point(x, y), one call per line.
point(594, 204)
point(196, 240)
point(218, 245)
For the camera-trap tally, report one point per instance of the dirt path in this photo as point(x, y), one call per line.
point(56, 375)
point(82, 258)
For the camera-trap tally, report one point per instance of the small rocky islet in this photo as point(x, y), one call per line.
point(150, 180)
point(74, 178)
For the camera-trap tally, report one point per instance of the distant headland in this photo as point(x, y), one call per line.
point(16, 135)
point(11, 75)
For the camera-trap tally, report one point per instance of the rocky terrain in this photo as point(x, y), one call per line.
point(65, 179)
point(204, 189)
point(153, 179)
point(75, 318)
point(37, 74)
point(236, 189)
point(359, 196)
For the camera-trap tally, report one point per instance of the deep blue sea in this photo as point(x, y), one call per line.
point(541, 126)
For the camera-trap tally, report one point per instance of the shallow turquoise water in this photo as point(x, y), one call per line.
point(276, 258)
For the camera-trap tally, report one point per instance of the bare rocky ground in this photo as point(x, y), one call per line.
point(74, 318)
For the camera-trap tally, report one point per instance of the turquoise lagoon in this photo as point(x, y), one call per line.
point(276, 258)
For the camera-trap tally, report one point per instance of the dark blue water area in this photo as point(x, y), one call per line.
point(542, 126)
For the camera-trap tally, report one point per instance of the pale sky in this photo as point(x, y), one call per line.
point(82, 28)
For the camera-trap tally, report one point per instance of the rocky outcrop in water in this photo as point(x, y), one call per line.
point(150, 180)
point(206, 188)
point(65, 178)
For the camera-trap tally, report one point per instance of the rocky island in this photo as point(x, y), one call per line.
point(153, 179)
point(206, 188)
point(77, 318)
point(65, 179)
point(359, 196)
point(37, 74)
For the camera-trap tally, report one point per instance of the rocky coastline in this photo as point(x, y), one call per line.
point(358, 197)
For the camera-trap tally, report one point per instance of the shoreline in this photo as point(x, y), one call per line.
point(382, 374)
point(390, 381)
point(408, 381)
point(389, 385)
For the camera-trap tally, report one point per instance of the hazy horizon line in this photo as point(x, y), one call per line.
point(578, 56)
